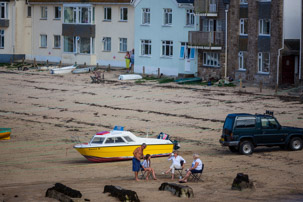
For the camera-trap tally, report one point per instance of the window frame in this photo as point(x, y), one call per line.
point(212, 59)
point(190, 17)
point(2, 38)
point(167, 17)
point(42, 45)
point(107, 14)
point(57, 37)
point(241, 61)
point(243, 2)
point(123, 15)
point(261, 62)
point(107, 44)
point(58, 12)
point(122, 45)
point(145, 16)
point(5, 9)
point(243, 27)
point(167, 48)
point(146, 43)
point(43, 12)
point(261, 27)
point(77, 15)
point(29, 11)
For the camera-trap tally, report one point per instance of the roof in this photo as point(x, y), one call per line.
point(80, 1)
point(245, 114)
point(185, 1)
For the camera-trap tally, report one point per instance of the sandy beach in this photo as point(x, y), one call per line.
point(49, 113)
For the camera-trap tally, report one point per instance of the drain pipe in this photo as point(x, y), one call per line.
point(300, 57)
point(280, 49)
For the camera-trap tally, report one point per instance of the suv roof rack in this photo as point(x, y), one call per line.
point(271, 113)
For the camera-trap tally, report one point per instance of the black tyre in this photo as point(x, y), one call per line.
point(295, 144)
point(246, 148)
point(233, 149)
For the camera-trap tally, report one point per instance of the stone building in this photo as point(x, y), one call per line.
point(255, 43)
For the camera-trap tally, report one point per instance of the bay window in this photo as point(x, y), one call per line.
point(79, 15)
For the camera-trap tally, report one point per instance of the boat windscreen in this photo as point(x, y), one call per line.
point(98, 140)
point(110, 140)
point(128, 139)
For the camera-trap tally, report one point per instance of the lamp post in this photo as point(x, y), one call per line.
point(226, 3)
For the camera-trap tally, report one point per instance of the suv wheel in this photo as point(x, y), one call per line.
point(233, 149)
point(246, 147)
point(295, 143)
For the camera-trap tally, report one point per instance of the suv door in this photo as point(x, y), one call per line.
point(271, 131)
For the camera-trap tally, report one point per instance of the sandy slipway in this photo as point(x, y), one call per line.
point(48, 114)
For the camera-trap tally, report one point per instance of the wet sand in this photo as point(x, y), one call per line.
point(48, 114)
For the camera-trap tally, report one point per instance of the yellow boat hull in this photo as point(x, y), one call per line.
point(5, 135)
point(119, 153)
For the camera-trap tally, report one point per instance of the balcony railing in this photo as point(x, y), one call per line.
point(206, 39)
point(206, 6)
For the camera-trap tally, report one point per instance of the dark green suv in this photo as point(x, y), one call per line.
point(243, 132)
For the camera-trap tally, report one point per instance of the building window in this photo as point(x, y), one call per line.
point(57, 12)
point(43, 12)
point(241, 60)
point(168, 16)
point(211, 59)
point(79, 15)
point(167, 48)
point(212, 6)
point(3, 11)
point(43, 41)
point(123, 14)
point(1, 38)
point(123, 44)
point(145, 47)
point(76, 44)
point(69, 44)
point(107, 44)
point(190, 17)
point(107, 14)
point(145, 16)
point(210, 25)
point(263, 62)
point(29, 11)
point(243, 26)
point(243, 1)
point(57, 41)
point(186, 52)
point(264, 27)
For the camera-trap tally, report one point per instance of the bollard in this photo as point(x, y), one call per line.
point(143, 72)
point(35, 62)
point(261, 85)
point(60, 63)
point(158, 72)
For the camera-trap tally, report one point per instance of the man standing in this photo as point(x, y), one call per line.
point(138, 155)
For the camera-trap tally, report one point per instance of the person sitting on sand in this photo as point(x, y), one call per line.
point(196, 167)
point(146, 165)
point(138, 155)
point(176, 163)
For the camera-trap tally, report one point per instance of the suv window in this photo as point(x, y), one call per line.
point(246, 122)
point(228, 124)
point(269, 123)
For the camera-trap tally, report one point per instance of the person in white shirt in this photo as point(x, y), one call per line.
point(196, 167)
point(176, 163)
point(146, 165)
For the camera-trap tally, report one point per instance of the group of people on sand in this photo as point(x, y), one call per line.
point(177, 163)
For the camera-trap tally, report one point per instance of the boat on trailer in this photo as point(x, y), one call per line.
point(63, 70)
point(5, 133)
point(119, 145)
